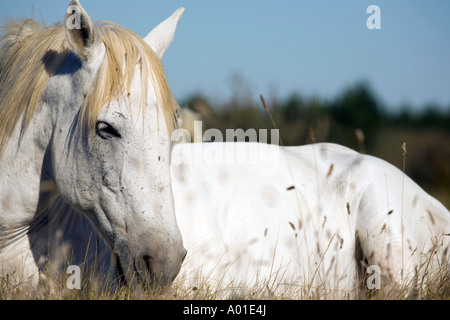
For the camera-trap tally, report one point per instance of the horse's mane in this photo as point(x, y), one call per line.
point(31, 54)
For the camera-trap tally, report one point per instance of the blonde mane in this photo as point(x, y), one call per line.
point(30, 55)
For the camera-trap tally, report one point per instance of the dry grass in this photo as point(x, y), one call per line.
point(427, 284)
point(438, 289)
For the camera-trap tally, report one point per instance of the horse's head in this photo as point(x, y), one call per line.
point(110, 148)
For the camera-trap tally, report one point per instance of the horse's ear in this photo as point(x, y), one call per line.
point(80, 31)
point(161, 37)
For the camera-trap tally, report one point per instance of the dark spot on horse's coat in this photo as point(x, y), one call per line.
point(289, 242)
point(159, 158)
point(357, 162)
point(390, 211)
point(330, 171)
point(299, 224)
point(383, 228)
point(431, 217)
point(265, 232)
point(180, 172)
point(190, 197)
point(290, 188)
point(414, 202)
point(269, 196)
point(341, 243)
point(409, 244)
point(324, 221)
point(292, 225)
point(223, 177)
point(348, 208)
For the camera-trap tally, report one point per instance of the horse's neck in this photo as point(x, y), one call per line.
point(21, 171)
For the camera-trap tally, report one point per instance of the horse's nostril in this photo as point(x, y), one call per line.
point(119, 269)
point(147, 260)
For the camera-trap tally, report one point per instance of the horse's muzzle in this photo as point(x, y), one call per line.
point(145, 269)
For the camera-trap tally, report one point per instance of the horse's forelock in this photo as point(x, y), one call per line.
point(116, 74)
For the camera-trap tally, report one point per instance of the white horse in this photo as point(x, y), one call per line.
point(86, 116)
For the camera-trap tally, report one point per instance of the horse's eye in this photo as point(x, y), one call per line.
point(106, 131)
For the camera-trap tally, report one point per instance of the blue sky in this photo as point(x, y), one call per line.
point(315, 48)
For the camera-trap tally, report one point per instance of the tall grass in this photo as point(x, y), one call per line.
point(424, 284)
